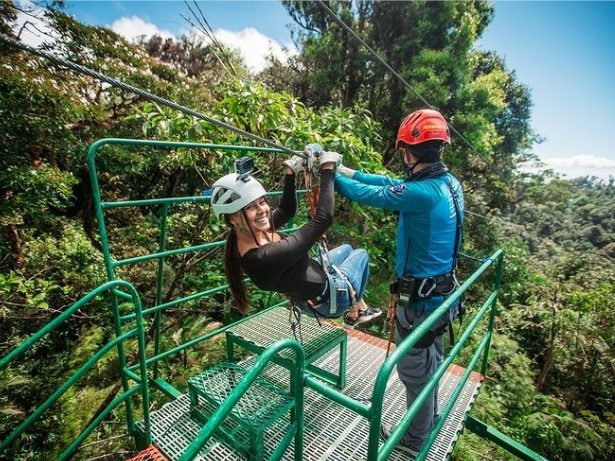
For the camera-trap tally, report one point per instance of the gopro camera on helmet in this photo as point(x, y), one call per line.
point(243, 167)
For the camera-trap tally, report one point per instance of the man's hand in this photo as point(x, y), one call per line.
point(296, 164)
point(345, 171)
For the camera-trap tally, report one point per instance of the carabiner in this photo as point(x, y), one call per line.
point(419, 291)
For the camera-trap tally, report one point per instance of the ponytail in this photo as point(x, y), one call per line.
point(232, 270)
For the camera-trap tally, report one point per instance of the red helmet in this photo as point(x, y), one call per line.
point(423, 125)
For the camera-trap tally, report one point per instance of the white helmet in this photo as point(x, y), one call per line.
point(231, 193)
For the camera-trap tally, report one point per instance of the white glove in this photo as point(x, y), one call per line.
point(295, 163)
point(345, 171)
point(329, 157)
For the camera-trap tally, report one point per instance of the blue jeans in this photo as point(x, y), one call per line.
point(354, 265)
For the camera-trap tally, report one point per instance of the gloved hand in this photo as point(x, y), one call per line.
point(295, 163)
point(345, 171)
point(329, 157)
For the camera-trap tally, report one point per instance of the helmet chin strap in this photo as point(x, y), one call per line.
point(245, 219)
point(409, 168)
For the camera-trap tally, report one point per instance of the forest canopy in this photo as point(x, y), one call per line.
point(552, 364)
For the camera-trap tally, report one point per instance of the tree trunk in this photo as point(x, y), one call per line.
point(17, 259)
point(542, 378)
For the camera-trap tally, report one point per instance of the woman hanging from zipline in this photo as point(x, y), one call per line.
point(282, 263)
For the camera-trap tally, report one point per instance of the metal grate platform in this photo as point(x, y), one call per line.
point(268, 327)
point(332, 432)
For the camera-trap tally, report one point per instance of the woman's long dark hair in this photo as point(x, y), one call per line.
point(234, 275)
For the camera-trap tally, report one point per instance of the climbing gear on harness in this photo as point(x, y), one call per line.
point(423, 125)
point(442, 285)
point(337, 282)
point(339, 285)
point(232, 193)
point(294, 318)
point(313, 152)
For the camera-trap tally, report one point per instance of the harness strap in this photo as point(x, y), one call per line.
point(392, 319)
point(459, 226)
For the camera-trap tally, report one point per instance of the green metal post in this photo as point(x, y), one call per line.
point(496, 289)
point(136, 300)
point(104, 240)
point(160, 282)
point(222, 412)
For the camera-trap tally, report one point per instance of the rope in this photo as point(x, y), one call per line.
point(389, 68)
point(391, 319)
point(144, 94)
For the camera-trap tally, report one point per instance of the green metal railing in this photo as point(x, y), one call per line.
point(124, 397)
point(138, 372)
point(163, 253)
point(297, 391)
point(372, 411)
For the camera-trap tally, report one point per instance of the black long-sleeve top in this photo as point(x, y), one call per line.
point(285, 266)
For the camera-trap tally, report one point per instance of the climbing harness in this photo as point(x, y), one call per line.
point(337, 283)
point(405, 290)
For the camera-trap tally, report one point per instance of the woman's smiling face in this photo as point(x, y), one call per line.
point(257, 215)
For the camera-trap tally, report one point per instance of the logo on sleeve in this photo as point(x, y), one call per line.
point(398, 189)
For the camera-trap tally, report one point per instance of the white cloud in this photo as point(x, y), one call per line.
point(254, 47)
point(577, 166)
point(134, 27)
point(37, 30)
point(580, 161)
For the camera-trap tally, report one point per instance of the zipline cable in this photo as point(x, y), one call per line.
point(394, 72)
point(144, 94)
point(389, 68)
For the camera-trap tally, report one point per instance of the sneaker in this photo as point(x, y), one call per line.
point(408, 450)
point(365, 315)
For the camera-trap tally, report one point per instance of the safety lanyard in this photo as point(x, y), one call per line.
point(323, 252)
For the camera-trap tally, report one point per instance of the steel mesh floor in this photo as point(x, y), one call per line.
point(273, 325)
point(332, 432)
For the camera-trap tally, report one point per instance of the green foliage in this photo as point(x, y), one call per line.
point(550, 382)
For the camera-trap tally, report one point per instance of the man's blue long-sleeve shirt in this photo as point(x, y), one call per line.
point(427, 219)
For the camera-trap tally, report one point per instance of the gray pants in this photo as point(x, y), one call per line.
point(415, 369)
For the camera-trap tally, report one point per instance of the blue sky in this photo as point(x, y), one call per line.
point(563, 51)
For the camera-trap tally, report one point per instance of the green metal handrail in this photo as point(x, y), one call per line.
point(222, 412)
point(111, 264)
point(373, 409)
point(408, 343)
point(142, 385)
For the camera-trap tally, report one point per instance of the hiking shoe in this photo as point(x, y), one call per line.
point(365, 315)
point(401, 447)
